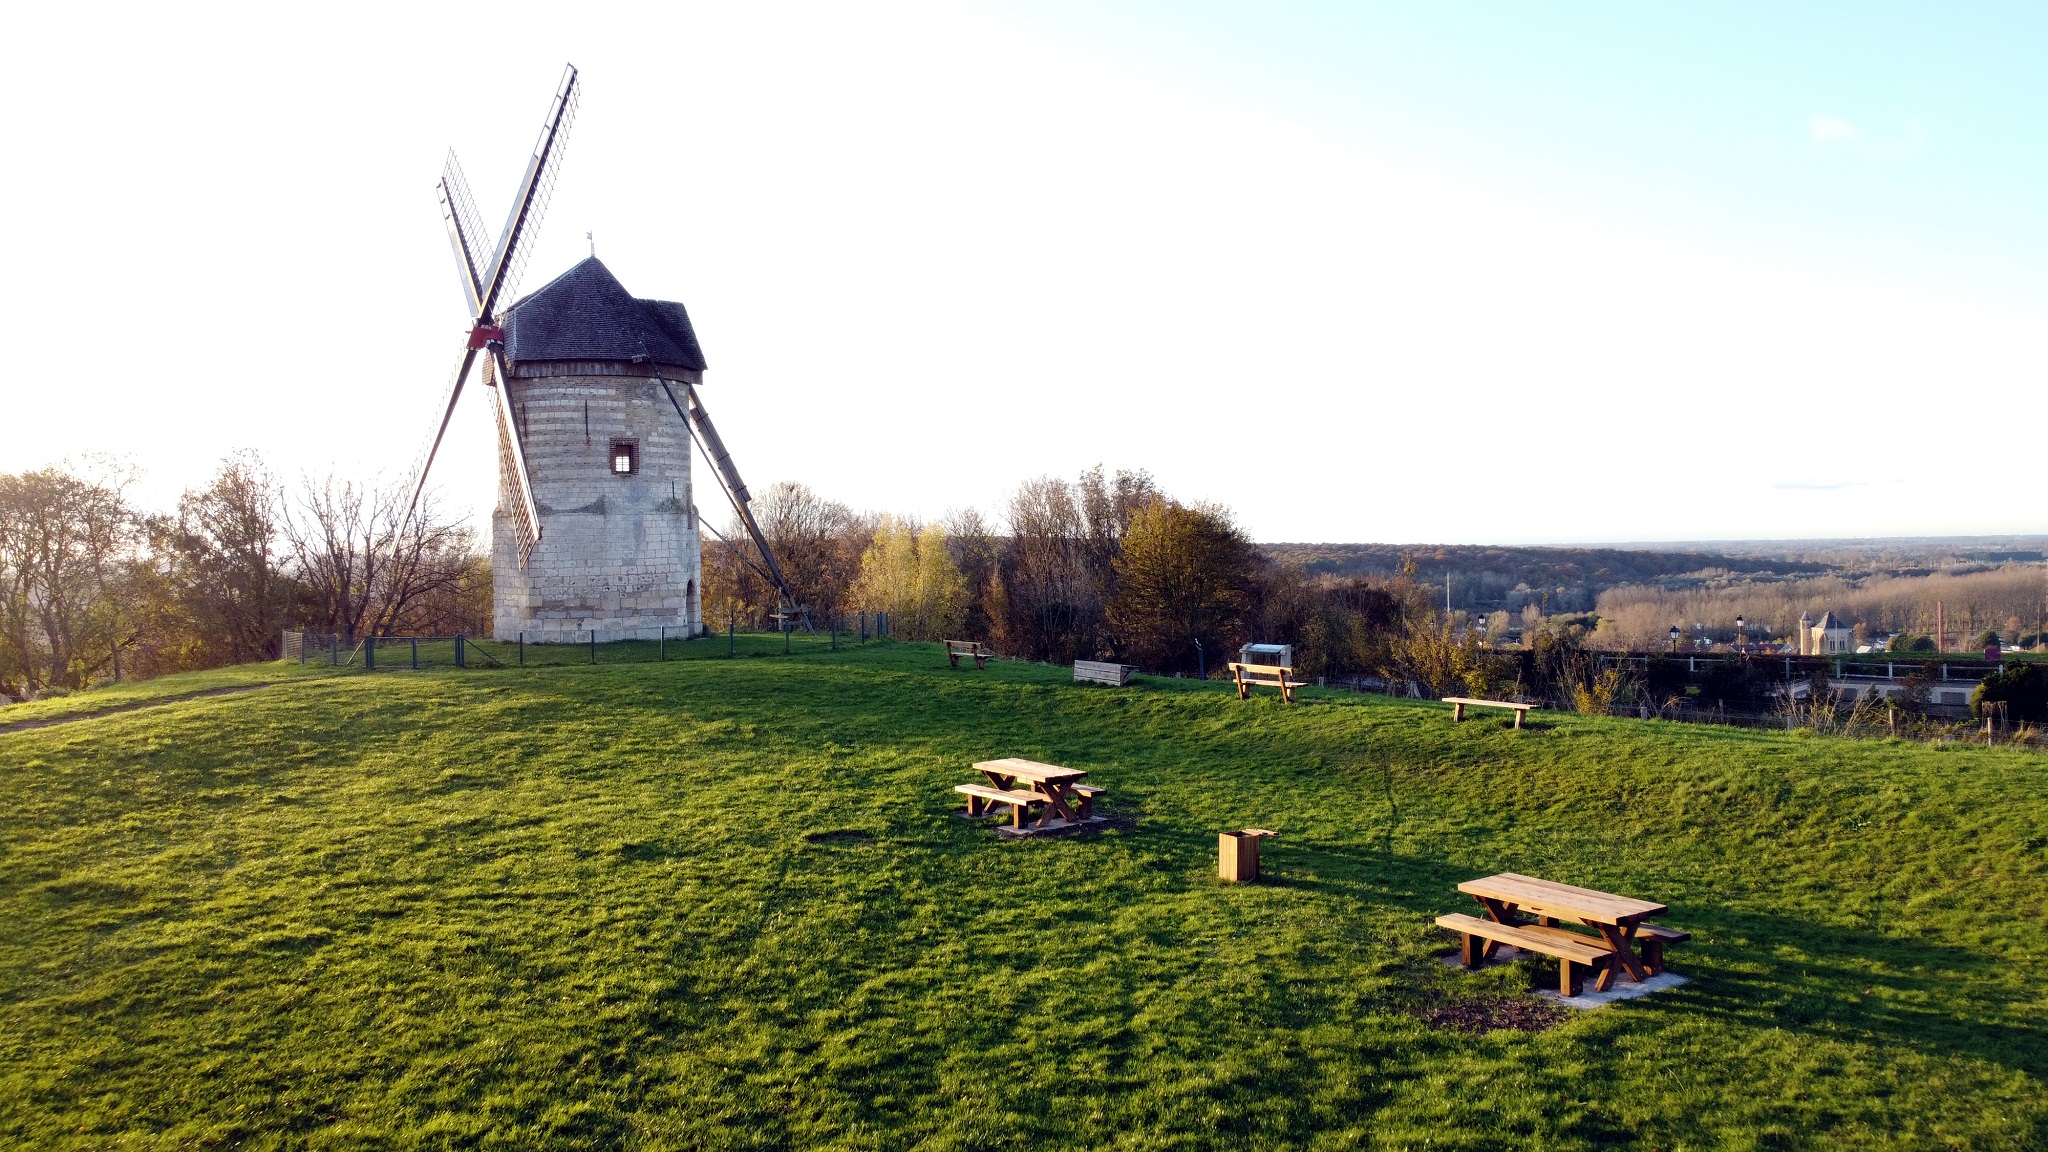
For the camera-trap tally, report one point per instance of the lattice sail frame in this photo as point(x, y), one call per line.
point(485, 285)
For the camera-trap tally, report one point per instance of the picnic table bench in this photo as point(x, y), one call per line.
point(1056, 792)
point(1521, 911)
point(982, 653)
point(1460, 703)
point(1272, 675)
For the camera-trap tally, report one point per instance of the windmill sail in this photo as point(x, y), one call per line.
point(524, 511)
point(485, 285)
point(465, 231)
point(501, 278)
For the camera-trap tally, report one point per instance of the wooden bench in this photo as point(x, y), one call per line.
point(981, 799)
point(1460, 703)
point(1576, 954)
point(1087, 793)
point(1653, 938)
point(1100, 672)
point(1271, 675)
point(982, 653)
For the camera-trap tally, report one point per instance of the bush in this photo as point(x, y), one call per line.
point(2020, 686)
point(1905, 643)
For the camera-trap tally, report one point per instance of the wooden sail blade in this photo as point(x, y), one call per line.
point(465, 231)
point(525, 511)
point(515, 241)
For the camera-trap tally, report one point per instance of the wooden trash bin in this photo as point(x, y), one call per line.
point(1239, 854)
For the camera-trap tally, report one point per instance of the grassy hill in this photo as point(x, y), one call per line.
point(726, 904)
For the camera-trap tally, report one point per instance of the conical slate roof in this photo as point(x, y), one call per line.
point(1830, 620)
point(586, 314)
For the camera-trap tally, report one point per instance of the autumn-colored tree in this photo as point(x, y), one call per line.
point(220, 558)
point(1183, 576)
point(910, 574)
point(69, 549)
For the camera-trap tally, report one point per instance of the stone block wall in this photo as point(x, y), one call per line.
point(618, 555)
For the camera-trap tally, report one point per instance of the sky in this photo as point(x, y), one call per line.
point(1359, 272)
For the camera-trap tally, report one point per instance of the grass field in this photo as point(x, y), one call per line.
point(726, 904)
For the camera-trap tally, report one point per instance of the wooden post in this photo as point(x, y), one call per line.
point(415, 653)
point(460, 662)
point(661, 653)
point(593, 645)
point(370, 652)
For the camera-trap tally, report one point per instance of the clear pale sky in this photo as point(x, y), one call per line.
point(1445, 272)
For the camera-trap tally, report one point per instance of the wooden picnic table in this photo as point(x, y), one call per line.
point(1051, 781)
point(1616, 918)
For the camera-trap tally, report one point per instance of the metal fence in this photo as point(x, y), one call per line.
point(411, 653)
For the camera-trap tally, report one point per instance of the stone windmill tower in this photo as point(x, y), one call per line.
point(595, 390)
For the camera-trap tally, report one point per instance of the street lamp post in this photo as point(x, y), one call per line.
point(1741, 640)
point(1674, 637)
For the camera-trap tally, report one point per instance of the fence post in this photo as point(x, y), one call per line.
point(661, 653)
point(334, 651)
point(370, 652)
point(302, 649)
point(863, 626)
point(593, 645)
point(522, 649)
point(730, 651)
point(461, 660)
point(785, 636)
point(415, 653)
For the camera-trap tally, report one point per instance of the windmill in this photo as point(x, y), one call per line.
point(583, 539)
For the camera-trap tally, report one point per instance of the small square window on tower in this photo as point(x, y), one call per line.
point(625, 457)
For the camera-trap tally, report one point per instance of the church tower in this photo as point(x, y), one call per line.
point(596, 397)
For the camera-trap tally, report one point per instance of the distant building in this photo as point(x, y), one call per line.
point(1829, 636)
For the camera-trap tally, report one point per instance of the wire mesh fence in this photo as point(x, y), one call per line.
point(414, 653)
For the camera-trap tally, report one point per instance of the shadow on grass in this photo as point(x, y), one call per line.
point(1755, 969)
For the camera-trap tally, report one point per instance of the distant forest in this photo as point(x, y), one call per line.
point(1489, 578)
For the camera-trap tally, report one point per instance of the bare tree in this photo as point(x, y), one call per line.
point(362, 564)
point(975, 549)
point(817, 543)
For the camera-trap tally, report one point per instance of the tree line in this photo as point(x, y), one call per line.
point(93, 587)
point(1102, 566)
point(1105, 566)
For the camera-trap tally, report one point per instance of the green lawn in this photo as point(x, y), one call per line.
point(726, 904)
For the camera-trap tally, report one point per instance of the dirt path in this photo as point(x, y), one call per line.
point(45, 722)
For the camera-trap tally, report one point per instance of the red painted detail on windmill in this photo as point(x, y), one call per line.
point(485, 333)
